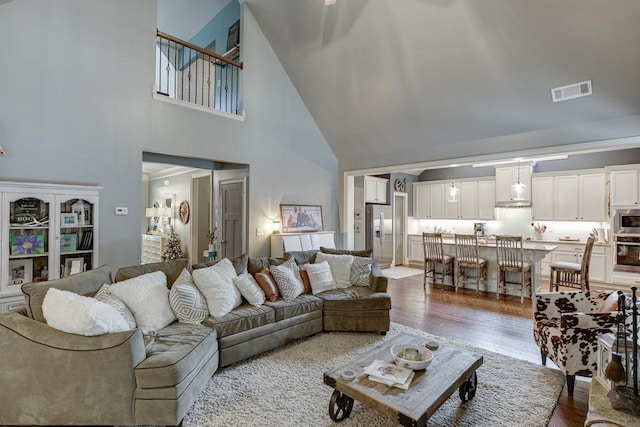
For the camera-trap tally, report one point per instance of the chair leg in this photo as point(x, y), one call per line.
point(571, 382)
point(477, 279)
point(544, 358)
point(523, 284)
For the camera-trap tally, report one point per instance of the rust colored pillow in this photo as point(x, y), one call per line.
point(304, 275)
point(268, 284)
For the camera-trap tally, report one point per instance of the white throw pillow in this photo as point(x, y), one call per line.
point(340, 268)
point(287, 276)
point(77, 314)
point(216, 285)
point(320, 277)
point(186, 301)
point(147, 296)
point(104, 295)
point(249, 289)
point(361, 271)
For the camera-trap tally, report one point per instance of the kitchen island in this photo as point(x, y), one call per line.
point(534, 252)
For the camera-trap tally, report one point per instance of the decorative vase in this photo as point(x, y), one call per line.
point(212, 247)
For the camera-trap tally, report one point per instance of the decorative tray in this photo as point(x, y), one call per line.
point(569, 239)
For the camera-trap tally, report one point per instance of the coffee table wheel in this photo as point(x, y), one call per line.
point(340, 406)
point(468, 388)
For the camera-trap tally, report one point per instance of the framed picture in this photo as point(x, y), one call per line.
point(233, 36)
point(69, 219)
point(301, 218)
point(68, 242)
point(21, 271)
point(73, 266)
point(27, 244)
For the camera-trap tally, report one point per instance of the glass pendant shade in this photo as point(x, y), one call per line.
point(518, 191)
point(453, 193)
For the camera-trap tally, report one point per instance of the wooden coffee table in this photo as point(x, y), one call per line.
point(451, 368)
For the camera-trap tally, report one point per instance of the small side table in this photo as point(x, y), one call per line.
point(208, 256)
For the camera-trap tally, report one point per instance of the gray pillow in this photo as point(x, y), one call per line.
point(186, 301)
point(105, 296)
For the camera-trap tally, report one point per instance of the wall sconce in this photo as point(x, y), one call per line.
point(276, 226)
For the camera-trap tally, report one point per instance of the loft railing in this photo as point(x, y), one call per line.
point(189, 73)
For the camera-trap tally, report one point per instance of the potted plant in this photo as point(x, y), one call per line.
point(211, 237)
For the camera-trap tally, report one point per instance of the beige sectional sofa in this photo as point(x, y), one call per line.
point(52, 377)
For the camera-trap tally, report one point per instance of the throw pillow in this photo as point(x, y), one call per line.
point(304, 275)
point(104, 295)
point(77, 314)
point(340, 268)
point(288, 279)
point(268, 284)
point(249, 289)
point(360, 271)
point(186, 301)
point(216, 285)
point(320, 277)
point(147, 296)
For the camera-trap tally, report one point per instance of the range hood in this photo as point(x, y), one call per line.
point(513, 204)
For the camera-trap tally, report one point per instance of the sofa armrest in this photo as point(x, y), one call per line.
point(78, 379)
point(377, 279)
point(597, 321)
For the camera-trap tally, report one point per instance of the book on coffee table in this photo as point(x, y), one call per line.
point(389, 374)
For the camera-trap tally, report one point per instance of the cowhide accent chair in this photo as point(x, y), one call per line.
point(567, 327)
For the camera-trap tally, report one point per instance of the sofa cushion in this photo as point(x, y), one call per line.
point(239, 264)
point(147, 297)
point(320, 277)
point(302, 304)
point(76, 314)
point(363, 253)
point(302, 257)
point(360, 271)
point(104, 295)
point(340, 268)
point(265, 280)
point(186, 301)
point(249, 289)
point(240, 319)
point(304, 275)
point(85, 283)
point(288, 279)
point(171, 269)
point(355, 298)
point(254, 265)
point(173, 353)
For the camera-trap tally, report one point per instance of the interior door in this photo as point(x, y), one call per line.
point(232, 203)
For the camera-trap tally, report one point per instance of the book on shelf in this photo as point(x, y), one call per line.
point(87, 241)
point(389, 374)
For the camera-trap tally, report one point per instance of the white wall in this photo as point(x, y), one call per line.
point(77, 107)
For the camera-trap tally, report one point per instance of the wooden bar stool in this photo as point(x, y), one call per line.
point(510, 256)
point(434, 256)
point(573, 274)
point(467, 258)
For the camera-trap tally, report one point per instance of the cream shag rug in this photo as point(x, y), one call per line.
point(284, 387)
point(400, 272)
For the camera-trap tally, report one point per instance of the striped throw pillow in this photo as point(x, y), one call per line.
point(186, 301)
point(287, 277)
point(360, 271)
point(104, 295)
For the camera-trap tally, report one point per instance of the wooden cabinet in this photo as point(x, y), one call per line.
point(542, 200)
point(624, 187)
point(48, 231)
point(152, 248)
point(506, 176)
point(487, 199)
point(287, 242)
point(375, 190)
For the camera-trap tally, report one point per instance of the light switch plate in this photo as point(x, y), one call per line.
point(259, 231)
point(122, 211)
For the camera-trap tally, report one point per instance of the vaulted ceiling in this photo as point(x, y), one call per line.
point(405, 81)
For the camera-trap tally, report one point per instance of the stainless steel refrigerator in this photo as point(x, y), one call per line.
point(378, 233)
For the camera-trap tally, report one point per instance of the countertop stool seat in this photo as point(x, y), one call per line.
point(467, 258)
point(572, 274)
point(510, 256)
point(434, 257)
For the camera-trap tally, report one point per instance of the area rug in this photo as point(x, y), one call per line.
point(284, 387)
point(400, 272)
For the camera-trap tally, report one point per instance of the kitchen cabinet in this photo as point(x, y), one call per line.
point(566, 198)
point(375, 190)
point(574, 253)
point(415, 249)
point(580, 197)
point(542, 200)
point(476, 201)
point(421, 200)
point(487, 199)
point(506, 176)
point(436, 200)
point(624, 187)
point(468, 203)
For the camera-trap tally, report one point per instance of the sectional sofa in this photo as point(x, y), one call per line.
point(52, 377)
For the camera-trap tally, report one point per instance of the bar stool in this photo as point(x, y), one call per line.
point(573, 274)
point(510, 256)
point(434, 256)
point(467, 258)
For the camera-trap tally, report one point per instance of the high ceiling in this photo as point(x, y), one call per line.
point(406, 81)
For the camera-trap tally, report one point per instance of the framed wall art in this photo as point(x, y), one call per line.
point(69, 219)
point(21, 271)
point(301, 218)
point(27, 244)
point(68, 242)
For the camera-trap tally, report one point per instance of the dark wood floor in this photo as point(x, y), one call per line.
point(503, 326)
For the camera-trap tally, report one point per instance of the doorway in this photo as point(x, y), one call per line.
point(201, 214)
point(400, 206)
point(232, 216)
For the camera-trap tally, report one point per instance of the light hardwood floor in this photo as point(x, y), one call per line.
point(504, 326)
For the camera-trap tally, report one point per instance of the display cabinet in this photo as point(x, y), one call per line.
point(47, 231)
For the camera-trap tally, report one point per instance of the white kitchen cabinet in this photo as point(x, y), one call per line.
point(487, 199)
point(542, 200)
point(421, 200)
point(48, 230)
point(452, 209)
point(375, 190)
point(593, 197)
point(429, 200)
point(566, 203)
point(506, 176)
point(468, 203)
point(436, 200)
point(416, 250)
point(574, 253)
point(624, 187)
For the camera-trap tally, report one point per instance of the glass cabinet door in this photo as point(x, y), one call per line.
point(28, 239)
point(76, 242)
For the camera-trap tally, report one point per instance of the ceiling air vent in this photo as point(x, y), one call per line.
point(575, 90)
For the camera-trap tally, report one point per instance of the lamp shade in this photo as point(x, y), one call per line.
point(518, 191)
point(165, 212)
point(151, 212)
point(453, 193)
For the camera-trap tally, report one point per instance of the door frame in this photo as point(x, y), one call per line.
point(244, 182)
point(405, 207)
point(196, 255)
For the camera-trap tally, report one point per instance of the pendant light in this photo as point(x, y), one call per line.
point(453, 193)
point(518, 190)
